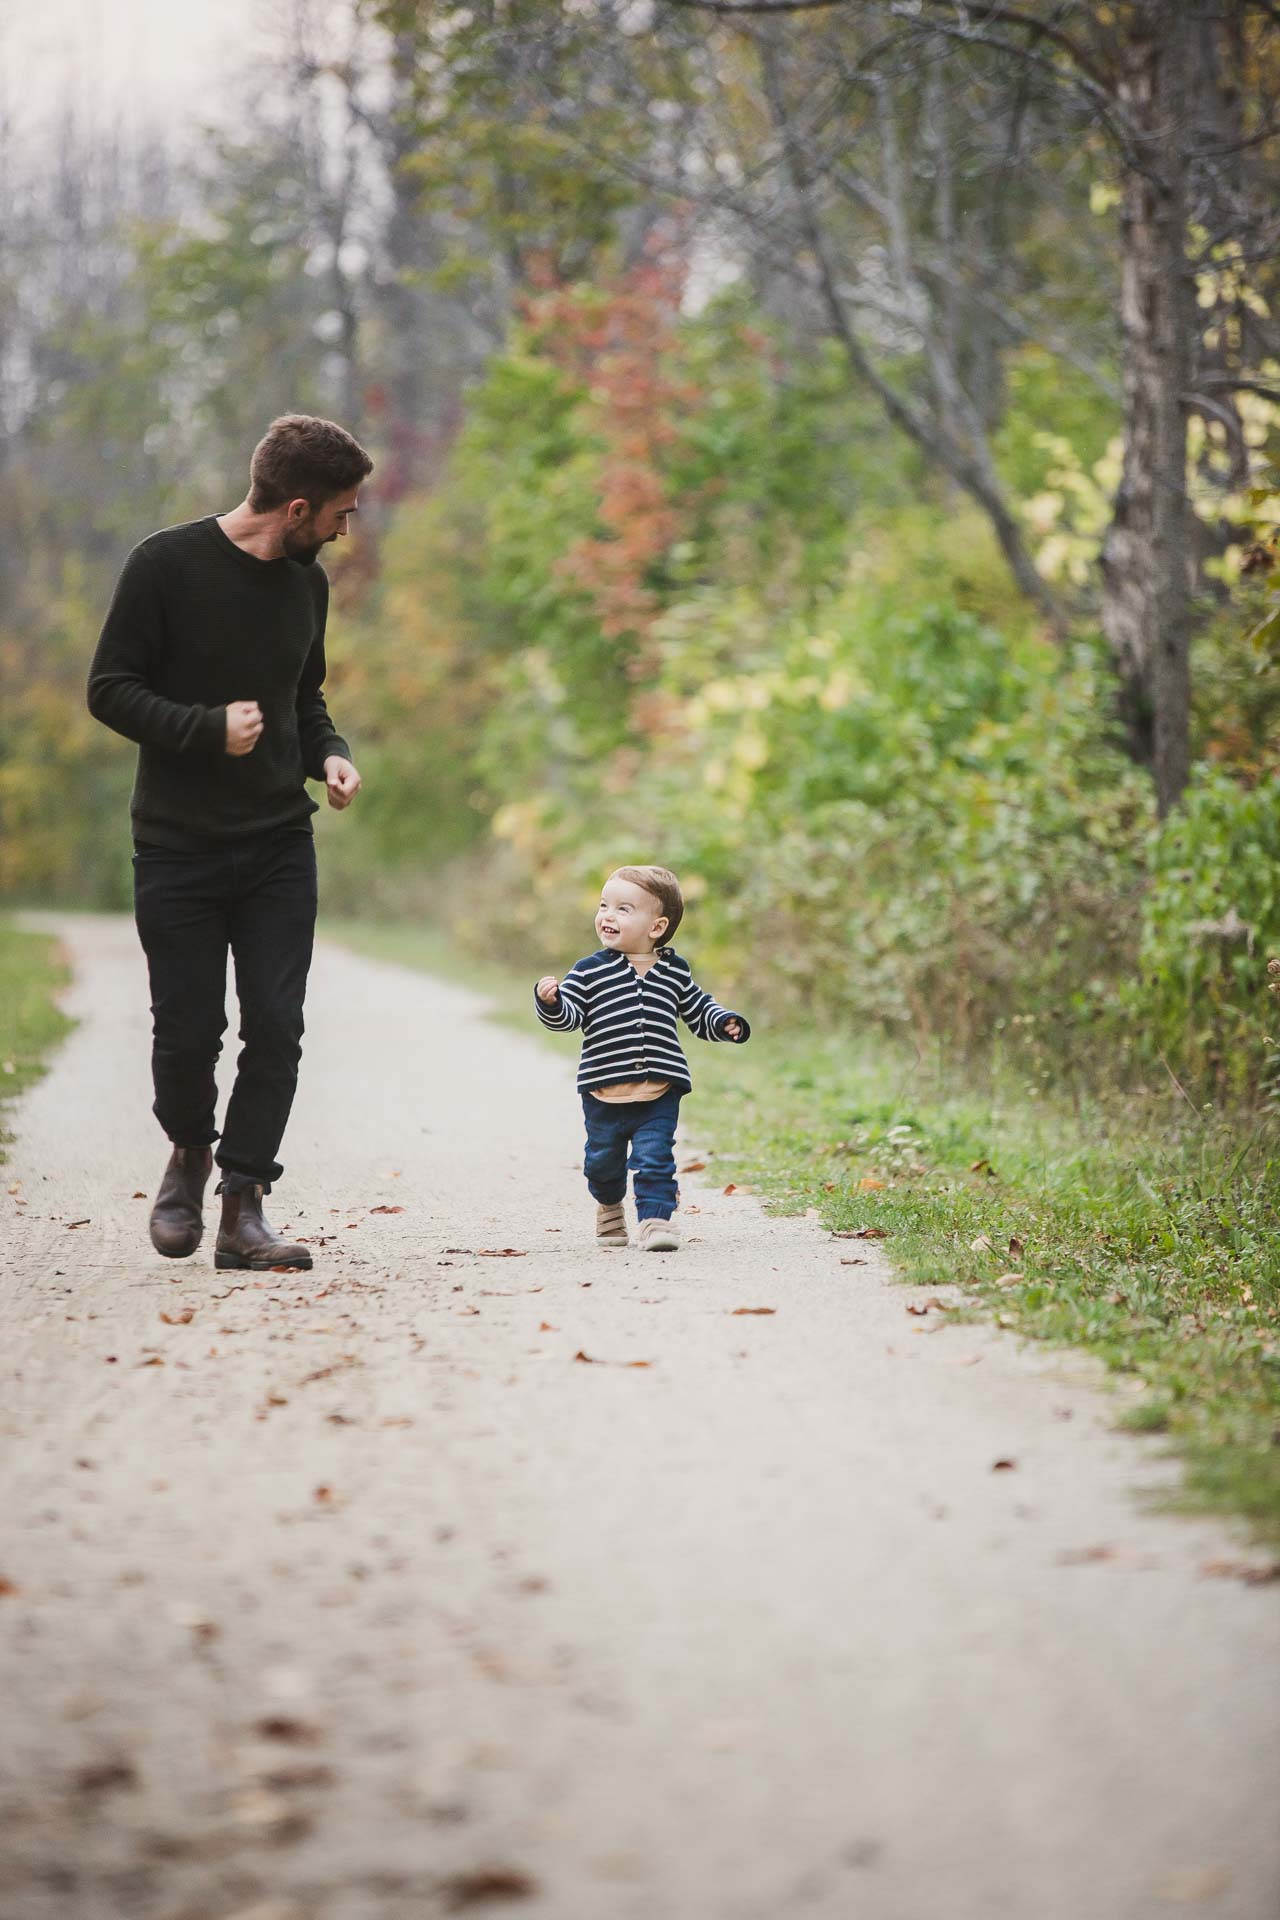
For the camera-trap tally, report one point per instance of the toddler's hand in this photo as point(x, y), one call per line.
point(733, 1028)
point(548, 988)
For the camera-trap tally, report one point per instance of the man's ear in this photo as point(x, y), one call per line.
point(298, 512)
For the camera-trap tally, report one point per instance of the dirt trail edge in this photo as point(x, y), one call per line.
point(452, 1578)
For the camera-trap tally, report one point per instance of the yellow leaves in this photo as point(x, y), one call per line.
point(1103, 197)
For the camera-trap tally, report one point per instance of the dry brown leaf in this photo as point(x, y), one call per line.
point(869, 1183)
point(501, 1253)
point(182, 1318)
point(154, 1361)
point(481, 1884)
point(738, 1310)
point(1253, 1573)
point(852, 1260)
point(325, 1495)
point(137, 1196)
point(860, 1233)
point(386, 1209)
point(104, 1776)
point(545, 1326)
point(731, 1188)
point(1002, 1466)
point(284, 1727)
point(913, 1308)
point(694, 1166)
point(8, 1586)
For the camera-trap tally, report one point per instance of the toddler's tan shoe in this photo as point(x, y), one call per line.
point(611, 1225)
point(659, 1236)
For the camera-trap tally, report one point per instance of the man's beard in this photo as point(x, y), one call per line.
point(303, 548)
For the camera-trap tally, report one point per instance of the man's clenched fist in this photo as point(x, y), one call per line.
point(244, 726)
point(341, 779)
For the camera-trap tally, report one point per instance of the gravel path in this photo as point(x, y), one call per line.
point(363, 1595)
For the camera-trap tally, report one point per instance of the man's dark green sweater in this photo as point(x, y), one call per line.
point(197, 623)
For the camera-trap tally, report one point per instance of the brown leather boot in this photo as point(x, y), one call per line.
point(177, 1217)
point(245, 1239)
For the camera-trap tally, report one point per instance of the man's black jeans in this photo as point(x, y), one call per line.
point(257, 902)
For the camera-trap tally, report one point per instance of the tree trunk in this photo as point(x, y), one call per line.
point(1148, 553)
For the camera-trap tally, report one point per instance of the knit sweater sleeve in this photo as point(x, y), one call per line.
point(121, 679)
point(569, 1008)
point(705, 1017)
point(316, 731)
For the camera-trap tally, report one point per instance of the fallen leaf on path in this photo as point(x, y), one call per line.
point(852, 1260)
point(182, 1318)
point(154, 1361)
point(998, 1466)
point(77, 1223)
point(738, 1310)
point(386, 1209)
point(731, 1188)
point(473, 1310)
point(545, 1326)
point(8, 1586)
point(483, 1884)
point(105, 1776)
point(324, 1495)
point(501, 1253)
point(593, 1362)
point(284, 1727)
point(139, 1196)
point(860, 1233)
point(694, 1166)
point(913, 1308)
point(1253, 1573)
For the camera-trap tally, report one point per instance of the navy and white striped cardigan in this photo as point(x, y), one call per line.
point(628, 1018)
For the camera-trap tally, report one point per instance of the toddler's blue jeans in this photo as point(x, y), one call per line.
point(648, 1128)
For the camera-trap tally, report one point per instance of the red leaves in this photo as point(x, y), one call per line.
point(694, 1166)
point(182, 1318)
point(738, 1310)
point(1003, 1466)
point(386, 1209)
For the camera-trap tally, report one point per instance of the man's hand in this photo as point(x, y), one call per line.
point(548, 989)
point(244, 726)
point(342, 781)
point(733, 1028)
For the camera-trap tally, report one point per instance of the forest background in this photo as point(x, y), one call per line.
point(827, 446)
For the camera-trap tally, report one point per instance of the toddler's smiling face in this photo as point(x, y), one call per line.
point(629, 919)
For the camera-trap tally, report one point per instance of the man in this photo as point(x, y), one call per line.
point(212, 659)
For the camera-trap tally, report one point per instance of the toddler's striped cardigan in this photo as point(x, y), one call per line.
point(628, 1018)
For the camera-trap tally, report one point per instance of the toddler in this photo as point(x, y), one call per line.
point(626, 997)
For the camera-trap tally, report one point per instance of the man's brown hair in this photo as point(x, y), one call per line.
point(302, 458)
point(665, 888)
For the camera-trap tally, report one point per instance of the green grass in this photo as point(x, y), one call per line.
point(31, 1022)
point(1125, 1224)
